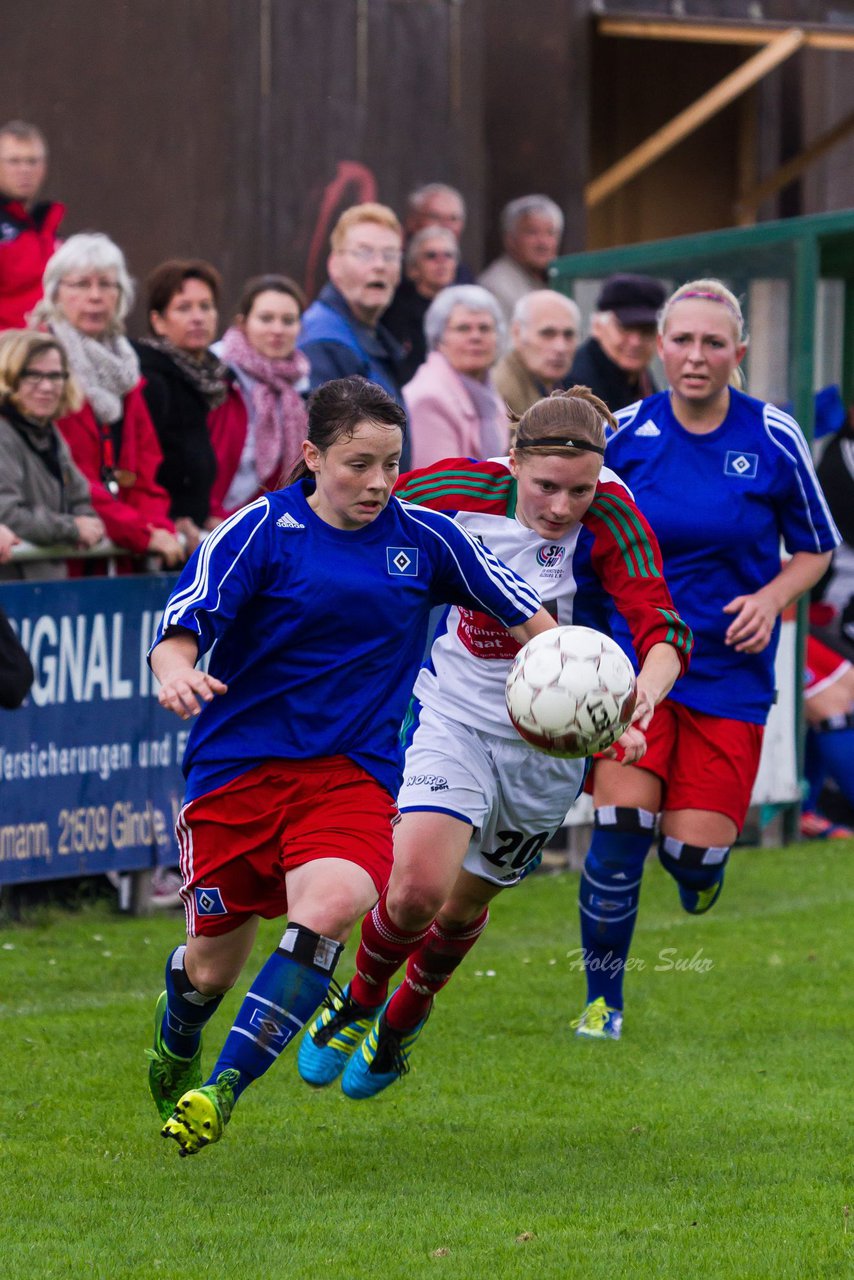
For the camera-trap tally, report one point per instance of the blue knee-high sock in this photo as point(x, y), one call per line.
point(187, 1010)
point(835, 750)
point(283, 997)
point(608, 897)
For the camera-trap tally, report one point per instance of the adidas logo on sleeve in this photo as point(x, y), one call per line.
point(287, 521)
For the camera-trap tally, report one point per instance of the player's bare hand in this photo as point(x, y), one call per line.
point(644, 709)
point(185, 692)
point(753, 625)
point(628, 748)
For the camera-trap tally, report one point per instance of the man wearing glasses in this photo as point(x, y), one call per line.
point(341, 330)
point(28, 227)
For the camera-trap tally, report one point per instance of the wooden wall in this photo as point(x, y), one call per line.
point(237, 130)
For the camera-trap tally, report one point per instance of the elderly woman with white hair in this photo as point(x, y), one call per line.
point(87, 295)
point(454, 410)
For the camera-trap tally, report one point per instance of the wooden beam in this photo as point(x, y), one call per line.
point(719, 32)
point(792, 169)
point(685, 123)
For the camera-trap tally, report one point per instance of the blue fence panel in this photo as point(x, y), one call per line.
point(90, 776)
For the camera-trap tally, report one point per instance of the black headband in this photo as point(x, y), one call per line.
point(555, 442)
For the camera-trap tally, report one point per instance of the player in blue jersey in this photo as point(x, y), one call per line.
point(314, 602)
point(722, 478)
point(477, 803)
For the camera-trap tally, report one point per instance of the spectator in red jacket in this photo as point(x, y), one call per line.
point(195, 404)
point(87, 294)
point(28, 227)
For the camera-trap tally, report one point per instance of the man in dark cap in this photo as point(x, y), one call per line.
point(614, 361)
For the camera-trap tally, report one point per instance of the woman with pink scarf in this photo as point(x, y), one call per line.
point(260, 348)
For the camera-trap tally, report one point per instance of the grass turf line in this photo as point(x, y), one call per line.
point(712, 1140)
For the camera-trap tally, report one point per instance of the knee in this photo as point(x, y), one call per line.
point(211, 977)
point(333, 916)
point(413, 905)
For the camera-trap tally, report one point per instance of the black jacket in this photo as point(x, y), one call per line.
point(16, 672)
point(179, 412)
point(592, 368)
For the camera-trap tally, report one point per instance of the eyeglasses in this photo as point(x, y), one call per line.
point(90, 283)
point(483, 330)
point(433, 254)
point(363, 254)
point(33, 377)
point(550, 333)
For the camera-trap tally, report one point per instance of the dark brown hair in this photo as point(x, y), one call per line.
point(576, 411)
point(337, 408)
point(169, 278)
point(261, 284)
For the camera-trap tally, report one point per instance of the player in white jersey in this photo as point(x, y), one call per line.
point(477, 802)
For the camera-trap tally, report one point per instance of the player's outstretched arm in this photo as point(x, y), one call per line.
point(660, 671)
point(542, 620)
point(173, 661)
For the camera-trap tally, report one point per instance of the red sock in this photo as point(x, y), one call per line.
point(430, 968)
point(382, 950)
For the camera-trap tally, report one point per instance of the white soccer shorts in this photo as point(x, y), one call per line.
point(514, 796)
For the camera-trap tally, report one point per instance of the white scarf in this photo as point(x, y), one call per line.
point(106, 368)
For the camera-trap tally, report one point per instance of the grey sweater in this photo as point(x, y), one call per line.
point(34, 503)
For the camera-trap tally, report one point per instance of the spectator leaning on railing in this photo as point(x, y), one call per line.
point(87, 294)
point(44, 498)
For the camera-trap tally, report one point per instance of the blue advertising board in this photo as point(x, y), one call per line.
point(90, 776)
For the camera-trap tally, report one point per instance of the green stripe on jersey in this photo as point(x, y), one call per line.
point(679, 633)
point(462, 484)
point(630, 535)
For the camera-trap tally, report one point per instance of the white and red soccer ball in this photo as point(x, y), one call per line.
point(571, 691)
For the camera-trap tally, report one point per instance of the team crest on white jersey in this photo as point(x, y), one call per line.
point(648, 429)
point(402, 562)
point(288, 522)
point(550, 558)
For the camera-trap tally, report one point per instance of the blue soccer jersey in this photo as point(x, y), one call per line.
point(318, 632)
point(719, 504)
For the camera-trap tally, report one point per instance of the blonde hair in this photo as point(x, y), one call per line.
point(17, 348)
point(379, 214)
point(710, 290)
point(576, 412)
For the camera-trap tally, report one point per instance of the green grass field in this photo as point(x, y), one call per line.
point(714, 1140)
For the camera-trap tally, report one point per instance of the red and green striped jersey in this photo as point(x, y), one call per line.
point(609, 562)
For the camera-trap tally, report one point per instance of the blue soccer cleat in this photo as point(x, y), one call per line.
point(332, 1037)
point(599, 1022)
point(382, 1058)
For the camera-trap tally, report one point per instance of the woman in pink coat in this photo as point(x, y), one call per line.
point(454, 410)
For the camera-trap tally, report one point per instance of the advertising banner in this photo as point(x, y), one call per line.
point(90, 776)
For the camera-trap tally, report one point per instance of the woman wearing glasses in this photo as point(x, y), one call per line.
point(454, 409)
point(44, 498)
point(87, 294)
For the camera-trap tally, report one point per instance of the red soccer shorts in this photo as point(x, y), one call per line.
point(238, 842)
point(704, 762)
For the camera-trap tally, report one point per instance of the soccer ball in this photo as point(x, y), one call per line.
point(571, 691)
